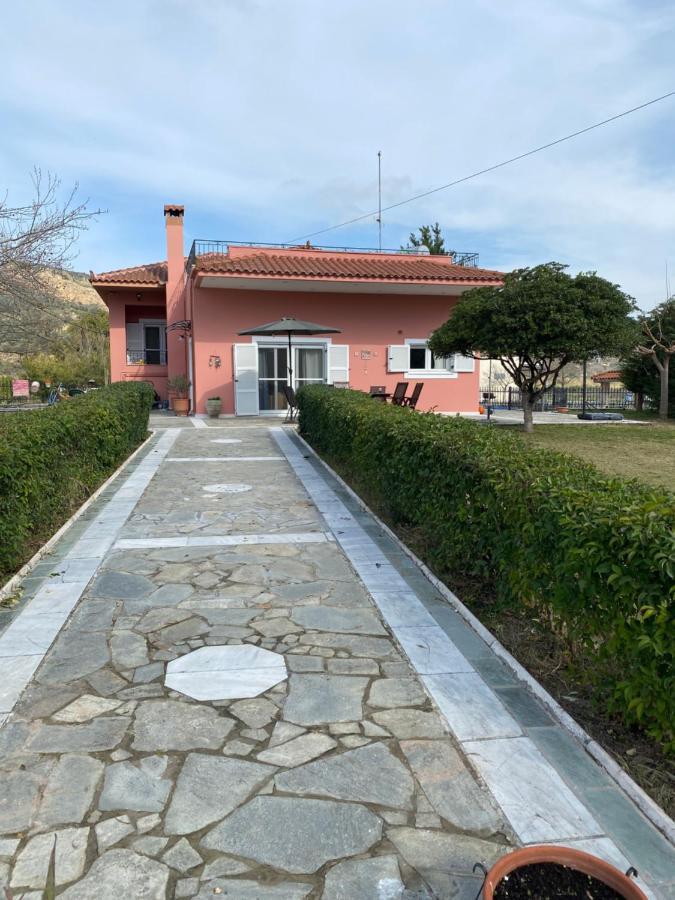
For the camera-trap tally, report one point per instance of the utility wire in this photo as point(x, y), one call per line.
point(506, 162)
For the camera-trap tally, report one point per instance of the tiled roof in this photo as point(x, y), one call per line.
point(610, 375)
point(347, 266)
point(151, 273)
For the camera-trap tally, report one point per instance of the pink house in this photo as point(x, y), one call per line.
point(183, 316)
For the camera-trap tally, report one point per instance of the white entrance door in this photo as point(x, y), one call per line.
point(245, 379)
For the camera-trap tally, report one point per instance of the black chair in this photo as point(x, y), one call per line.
point(398, 396)
point(411, 401)
point(289, 394)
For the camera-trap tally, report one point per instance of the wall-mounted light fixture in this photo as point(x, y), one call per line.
point(214, 361)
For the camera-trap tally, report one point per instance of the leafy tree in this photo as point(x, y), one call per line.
point(430, 237)
point(641, 376)
point(657, 345)
point(79, 354)
point(536, 322)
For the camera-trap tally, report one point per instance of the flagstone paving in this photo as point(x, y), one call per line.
point(330, 775)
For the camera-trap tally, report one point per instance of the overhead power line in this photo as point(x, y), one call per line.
point(500, 165)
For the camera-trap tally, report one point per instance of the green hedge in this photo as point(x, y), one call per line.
point(595, 554)
point(51, 460)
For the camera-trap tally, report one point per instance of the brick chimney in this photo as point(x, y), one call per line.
point(175, 253)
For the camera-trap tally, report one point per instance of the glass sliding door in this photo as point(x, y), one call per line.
point(309, 366)
point(272, 376)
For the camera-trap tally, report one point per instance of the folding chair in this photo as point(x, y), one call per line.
point(398, 396)
point(411, 401)
point(289, 394)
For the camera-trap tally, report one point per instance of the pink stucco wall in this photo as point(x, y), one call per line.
point(122, 308)
point(369, 323)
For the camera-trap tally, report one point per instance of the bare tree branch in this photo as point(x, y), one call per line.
point(37, 239)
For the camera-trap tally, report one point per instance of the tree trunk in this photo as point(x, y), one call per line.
point(663, 400)
point(639, 401)
point(527, 413)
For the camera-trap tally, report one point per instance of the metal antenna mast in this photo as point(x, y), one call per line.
point(379, 198)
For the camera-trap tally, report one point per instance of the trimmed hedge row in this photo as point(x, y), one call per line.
point(51, 460)
point(595, 554)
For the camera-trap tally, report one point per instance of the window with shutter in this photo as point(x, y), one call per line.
point(398, 358)
point(338, 363)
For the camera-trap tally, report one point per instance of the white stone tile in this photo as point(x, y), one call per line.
point(55, 597)
point(90, 548)
point(534, 798)
point(224, 459)
point(430, 650)
point(222, 540)
point(225, 673)
point(238, 684)
point(15, 673)
point(238, 656)
point(472, 709)
point(403, 609)
point(150, 543)
point(30, 634)
point(73, 570)
point(197, 422)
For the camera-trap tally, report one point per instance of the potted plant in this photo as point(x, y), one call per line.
point(179, 386)
point(551, 871)
point(213, 407)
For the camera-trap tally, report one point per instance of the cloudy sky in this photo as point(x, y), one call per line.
point(264, 117)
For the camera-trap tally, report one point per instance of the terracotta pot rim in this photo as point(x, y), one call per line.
point(566, 856)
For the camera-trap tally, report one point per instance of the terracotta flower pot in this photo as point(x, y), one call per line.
point(563, 856)
point(181, 405)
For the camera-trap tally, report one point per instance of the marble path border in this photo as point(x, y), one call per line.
point(651, 810)
point(222, 540)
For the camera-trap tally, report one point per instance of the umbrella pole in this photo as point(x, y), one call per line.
point(290, 361)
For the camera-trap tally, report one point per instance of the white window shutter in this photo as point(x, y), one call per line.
point(338, 363)
point(135, 348)
point(464, 363)
point(398, 358)
point(245, 379)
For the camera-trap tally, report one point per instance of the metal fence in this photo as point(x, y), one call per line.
point(562, 398)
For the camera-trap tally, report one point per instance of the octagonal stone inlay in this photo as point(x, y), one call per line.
point(225, 673)
point(226, 488)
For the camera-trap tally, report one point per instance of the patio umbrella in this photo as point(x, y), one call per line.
point(290, 325)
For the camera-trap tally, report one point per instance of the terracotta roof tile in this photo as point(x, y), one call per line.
point(349, 266)
point(609, 375)
point(151, 273)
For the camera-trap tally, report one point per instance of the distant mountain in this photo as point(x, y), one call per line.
point(74, 287)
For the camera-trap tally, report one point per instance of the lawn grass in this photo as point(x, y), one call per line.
point(646, 452)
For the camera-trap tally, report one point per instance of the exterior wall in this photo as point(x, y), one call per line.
point(369, 323)
point(123, 307)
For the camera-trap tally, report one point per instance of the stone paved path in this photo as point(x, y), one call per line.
point(339, 780)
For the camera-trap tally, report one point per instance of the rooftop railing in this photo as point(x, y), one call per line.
point(202, 247)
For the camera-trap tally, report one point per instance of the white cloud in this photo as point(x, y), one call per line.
point(271, 113)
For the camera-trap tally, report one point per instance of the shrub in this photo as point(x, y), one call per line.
point(548, 532)
point(52, 459)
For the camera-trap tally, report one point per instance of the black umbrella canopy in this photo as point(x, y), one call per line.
point(290, 325)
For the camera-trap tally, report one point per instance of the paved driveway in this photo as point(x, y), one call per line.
point(249, 697)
